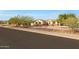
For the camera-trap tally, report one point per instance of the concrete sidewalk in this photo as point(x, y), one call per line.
point(72, 36)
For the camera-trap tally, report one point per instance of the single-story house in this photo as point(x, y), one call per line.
point(45, 22)
point(39, 23)
point(53, 23)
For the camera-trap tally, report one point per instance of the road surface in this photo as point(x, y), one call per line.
point(15, 39)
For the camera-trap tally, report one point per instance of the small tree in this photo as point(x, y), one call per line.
point(13, 20)
point(69, 20)
point(63, 17)
point(71, 23)
point(21, 20)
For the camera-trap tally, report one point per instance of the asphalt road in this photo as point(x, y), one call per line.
point(14, 39)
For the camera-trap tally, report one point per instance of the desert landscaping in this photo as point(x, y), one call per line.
point(28, 32)
point(67, 25)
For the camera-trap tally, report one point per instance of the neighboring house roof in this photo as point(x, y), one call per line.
point(41, 21)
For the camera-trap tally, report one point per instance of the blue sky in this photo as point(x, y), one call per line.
point(42, 14)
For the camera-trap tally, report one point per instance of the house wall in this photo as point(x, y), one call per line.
point(49, 23)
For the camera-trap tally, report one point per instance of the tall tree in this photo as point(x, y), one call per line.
point(63, 17)
point(69, 20)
